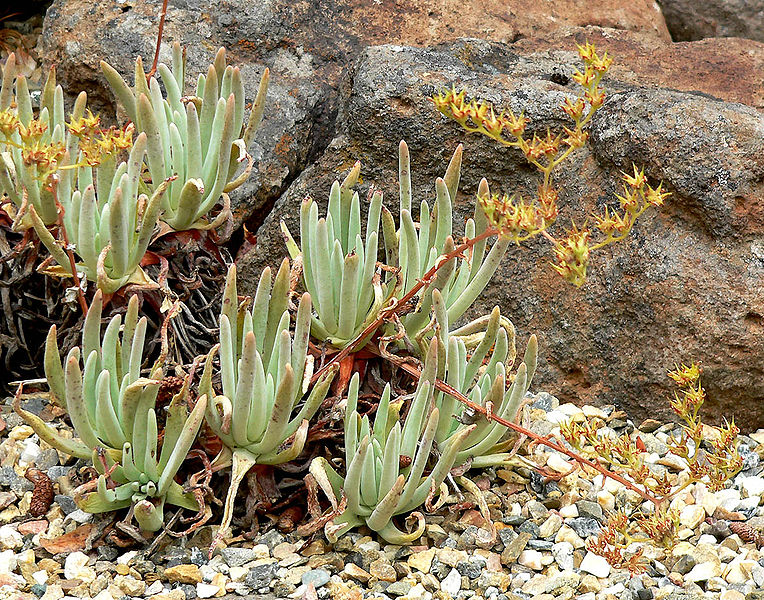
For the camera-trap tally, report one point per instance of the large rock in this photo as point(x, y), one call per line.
point(689, 20)
point(307, 46)
point(686, 286)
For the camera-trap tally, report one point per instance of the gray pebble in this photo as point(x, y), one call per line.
point(260, 576)
point(236, 557)
point(585, 527)
point(66, 503)
point(589, 509)
point(317, 577)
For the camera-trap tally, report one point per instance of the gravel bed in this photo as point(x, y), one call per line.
point(539, 550)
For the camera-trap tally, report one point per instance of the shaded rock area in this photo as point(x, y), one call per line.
point(689, 20)
point(307, 45)
point(687, 285)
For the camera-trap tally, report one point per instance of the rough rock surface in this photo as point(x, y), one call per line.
point(686, 286)
point(307, 46)
point(689, 20)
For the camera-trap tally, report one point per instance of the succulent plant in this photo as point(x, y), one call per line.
point(32, 149)
point(339, 265)
point(112, 409)
point(199, 140)
point(479, 381)
point(377, 486)
point(264, 372)
point(415, 248)
point(109, 223)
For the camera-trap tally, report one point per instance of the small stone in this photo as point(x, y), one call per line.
point(260, 576)
point(10, 539)
point(399, 588)
point(451, 557)
point(692, 516)
point(563, 555)
point(80, 516)
point(606, 500)
point(317, 577)
point(685, 564)
point(154, 588)
point(753, 486)
point(569, 511)
point(130, 586)
point(566, 534)
point(588, 509)
point(558, 463)
point(731, 595)
point(421, 561)
point(355, 572)
point(65, 503)
point(206, 590)
point(596, 565)
point(452, 583)
point(75, 567)
point(286, 549)
point(515, 547)
point(585, 527)
point(176, 594)
point(183, 574)
point(536, 510)
point(383, 570)
point(704, 572)
point(740, 571)
point(531, 559)
point(315, 547)
point(236, 557)
point(33, 527)
point(550, 527)
point(471, 568)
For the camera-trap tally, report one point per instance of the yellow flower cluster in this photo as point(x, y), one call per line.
point(95, 143)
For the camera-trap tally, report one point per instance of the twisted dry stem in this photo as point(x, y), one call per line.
point(444, 387)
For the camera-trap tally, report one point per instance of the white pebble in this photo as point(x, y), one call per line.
point(75, 567)
point(124, 559)
point(29, 454)
point(8, 562)
point(80, 516)
point(206, 590)
point(592, 411)
point(596, 565)
point(692, 516)
point(40, 577)
point(452, 583)
point(749, 503)
point(531, 559)
point(154, 588)
point(704, 571)
point(569, 512)
point(606, 500)
point(753, 486)
point(10, 539)
point(563, 555)
point(728, 498)
point(558, 463)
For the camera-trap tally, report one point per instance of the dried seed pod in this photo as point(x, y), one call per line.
point(42, 494)
point(747, 533)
